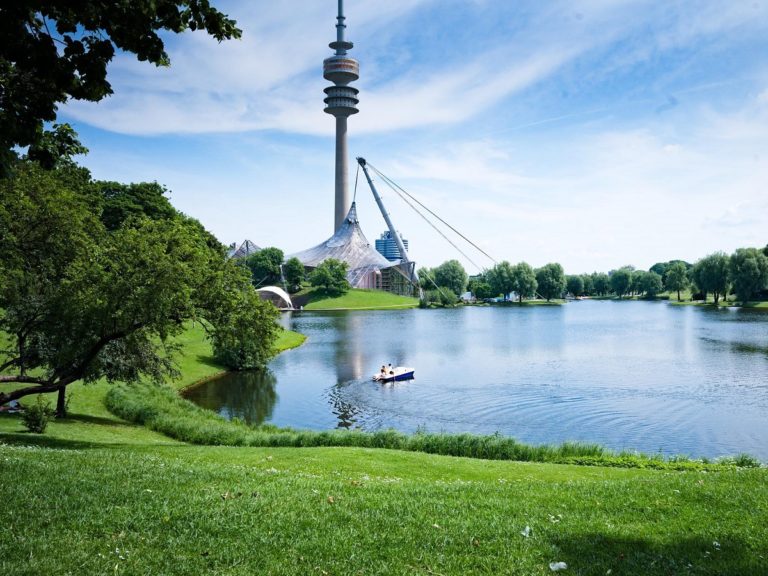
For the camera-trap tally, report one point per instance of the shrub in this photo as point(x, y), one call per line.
point(37, 416)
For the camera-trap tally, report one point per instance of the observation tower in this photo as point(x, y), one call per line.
point(341, 102)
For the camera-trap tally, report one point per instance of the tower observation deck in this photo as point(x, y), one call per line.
point(341, 102)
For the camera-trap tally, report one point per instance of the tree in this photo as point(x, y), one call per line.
point(523, 281)
point(51, 52)
point(575, 285)
point(551, 281)
point(119, 202)
point(426, 278)
point(650, 284)
point(479, 287)
point(265, 266)
point(677, 278)
point(601, 283)
point(621, 280)
point(711, 274)
point(451, 275)
point(482, 290)
point(589, 286)
point(748, 272)
point(660, 268)
point(500, 279)
point(294, 274)
point(80, 302)
point(330, 275)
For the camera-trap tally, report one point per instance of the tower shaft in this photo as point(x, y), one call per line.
point(341, 102)
point(342, 172)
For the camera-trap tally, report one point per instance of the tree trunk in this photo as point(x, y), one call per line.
point(678, 295)
point(61, 403)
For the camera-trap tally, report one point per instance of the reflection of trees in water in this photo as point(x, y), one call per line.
point(345, 412)
point(250, 395)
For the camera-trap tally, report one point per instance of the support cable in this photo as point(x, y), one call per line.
point(392, 184)
point(428, 221)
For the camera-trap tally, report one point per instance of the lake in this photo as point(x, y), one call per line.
point(644, 376)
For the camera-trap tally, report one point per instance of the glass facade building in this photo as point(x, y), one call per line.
point(387, 246)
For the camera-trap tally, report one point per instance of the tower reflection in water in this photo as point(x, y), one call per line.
point(356, 359)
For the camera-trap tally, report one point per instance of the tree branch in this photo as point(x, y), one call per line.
point(10, 363)
point(23, 379)
point(6, 397)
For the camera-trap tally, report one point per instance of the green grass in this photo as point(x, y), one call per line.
point(242, 511)
point(354, 299)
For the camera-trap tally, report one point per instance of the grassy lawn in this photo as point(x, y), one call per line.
point(354, 299)
point(207, 510)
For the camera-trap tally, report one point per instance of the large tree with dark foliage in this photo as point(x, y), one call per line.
point(551, 280)
point(52, 51)
point(748, 271)
point(711, 274)
point(81, 301)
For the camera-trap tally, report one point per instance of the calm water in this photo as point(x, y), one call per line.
point(635, 375)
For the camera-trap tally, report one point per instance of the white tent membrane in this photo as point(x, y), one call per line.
point(350, 245)
point(273, 293)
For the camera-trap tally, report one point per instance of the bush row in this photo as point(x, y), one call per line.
point(163, 410)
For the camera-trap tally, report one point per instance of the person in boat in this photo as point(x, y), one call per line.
point(383, 370)
point(391, 371)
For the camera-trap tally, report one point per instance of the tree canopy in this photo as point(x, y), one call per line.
point(331, 275)
point(52, 51)
point(81, 302)
point(748, 271)
point(524, 281)
point(451, 275)
point(551, 281)
point(575, 285)
point(710, 274)
point(500, 279)
point(677, 278)
point(265, 266)
point(621, 280)
point(294, 274)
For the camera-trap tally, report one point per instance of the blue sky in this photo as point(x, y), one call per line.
point(593, 133)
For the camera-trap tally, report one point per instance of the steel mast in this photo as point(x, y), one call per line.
point(404, 260)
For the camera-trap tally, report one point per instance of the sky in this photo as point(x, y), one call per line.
point(593, 133)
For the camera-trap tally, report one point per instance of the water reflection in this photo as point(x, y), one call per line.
point(249, 396)
point(629, 375)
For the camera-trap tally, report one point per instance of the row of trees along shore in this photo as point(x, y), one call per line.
point(743, 274)
point(268, 267)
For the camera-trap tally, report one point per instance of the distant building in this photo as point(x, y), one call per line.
point(246, 249)
point(387, 246)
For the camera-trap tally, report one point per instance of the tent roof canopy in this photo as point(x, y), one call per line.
point(349, 245)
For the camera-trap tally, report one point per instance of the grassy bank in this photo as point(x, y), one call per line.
point(354, 299)
point(89, 420)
